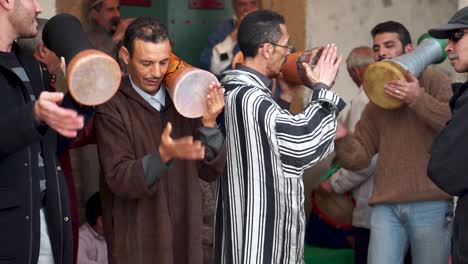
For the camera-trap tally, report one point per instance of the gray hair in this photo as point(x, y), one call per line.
point(360, 57)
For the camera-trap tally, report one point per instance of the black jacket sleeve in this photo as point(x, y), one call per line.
point(448, 167)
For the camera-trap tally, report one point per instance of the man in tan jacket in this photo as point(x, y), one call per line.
point(407, 207)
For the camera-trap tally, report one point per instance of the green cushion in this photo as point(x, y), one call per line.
point(316, 255)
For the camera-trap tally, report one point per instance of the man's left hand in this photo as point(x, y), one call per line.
point(214, 104)
point(406, 91)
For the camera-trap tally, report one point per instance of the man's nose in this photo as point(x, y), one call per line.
point(449, 46)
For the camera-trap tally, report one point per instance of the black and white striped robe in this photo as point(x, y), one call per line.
point(260, 202)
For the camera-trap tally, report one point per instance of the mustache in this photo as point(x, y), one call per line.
point(153, 79)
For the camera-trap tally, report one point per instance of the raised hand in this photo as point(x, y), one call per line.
point(406, 91)
point(327, 66)
point(120, 29)
point(214, 104)
point(65, 121)
point(182, 148)
point(341, 131)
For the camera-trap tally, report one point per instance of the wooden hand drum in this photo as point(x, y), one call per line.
point(93, 77)
point(188, 87)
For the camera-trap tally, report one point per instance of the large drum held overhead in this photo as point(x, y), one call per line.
point(93, 77)
point(188, 87)
point(428, 51)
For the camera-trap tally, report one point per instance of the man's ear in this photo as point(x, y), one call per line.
point(7, 4)
point(408, 48)
point(42, 51)
point(124, 55)
point(266, 50)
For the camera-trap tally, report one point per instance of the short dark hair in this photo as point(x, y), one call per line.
point(93, 209)
point(393, 27)
point(148, 29)
point(257, 28)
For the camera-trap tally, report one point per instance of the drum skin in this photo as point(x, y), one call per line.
point(188, 87)
point(376, 76)
point(93, 77)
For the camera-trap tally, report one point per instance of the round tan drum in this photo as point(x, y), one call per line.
point(93, 77)
point(428, 51)
point(376, 76)
point(187, 87)
point(335, 209)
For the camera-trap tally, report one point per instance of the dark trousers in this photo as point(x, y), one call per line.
point(361, 244)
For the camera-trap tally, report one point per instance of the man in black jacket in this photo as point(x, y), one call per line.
point(448, 166)
point(35, 224)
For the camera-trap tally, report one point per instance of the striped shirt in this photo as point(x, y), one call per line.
point(260, 202)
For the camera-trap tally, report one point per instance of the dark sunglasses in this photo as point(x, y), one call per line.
point(456, 35)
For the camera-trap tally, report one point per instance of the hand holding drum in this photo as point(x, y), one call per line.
point(378, 74)
point(93, 77)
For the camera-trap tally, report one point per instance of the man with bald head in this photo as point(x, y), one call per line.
point(222, 43)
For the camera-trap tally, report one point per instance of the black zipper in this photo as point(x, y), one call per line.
point(60, 209)
point(31, 233)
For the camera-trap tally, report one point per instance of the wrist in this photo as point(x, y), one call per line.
point(207, 122)
point(164, 154)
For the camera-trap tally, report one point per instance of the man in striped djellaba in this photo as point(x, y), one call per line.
point(260, 211)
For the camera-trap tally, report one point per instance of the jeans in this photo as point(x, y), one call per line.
point(423, 224)
point(45, 251)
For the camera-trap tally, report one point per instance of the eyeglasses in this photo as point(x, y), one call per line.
point(457, 35)
point(288, 46)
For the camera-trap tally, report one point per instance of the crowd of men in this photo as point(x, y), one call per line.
point(403, 165)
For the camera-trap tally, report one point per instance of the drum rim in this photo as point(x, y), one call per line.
point(323, 216)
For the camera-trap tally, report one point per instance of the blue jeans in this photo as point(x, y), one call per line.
point(422, 224)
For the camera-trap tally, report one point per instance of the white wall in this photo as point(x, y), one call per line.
point(48, 8)
point(348, 24)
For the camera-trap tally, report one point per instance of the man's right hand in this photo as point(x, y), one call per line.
point(182, 148)
point(120, 30)
point(327, 66)
point(66, 122)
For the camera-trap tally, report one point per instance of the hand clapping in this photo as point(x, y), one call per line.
point(214, 104)
point(182, 148)
point(327, 66)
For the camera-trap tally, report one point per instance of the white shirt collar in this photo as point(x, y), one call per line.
point(157, 101)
